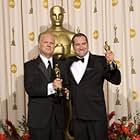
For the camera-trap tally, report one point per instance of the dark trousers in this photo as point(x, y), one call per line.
point(90, 130)
point(55, 127)
point(45, 134)
point(40, 134)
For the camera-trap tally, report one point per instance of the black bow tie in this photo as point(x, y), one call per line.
point(79, 59)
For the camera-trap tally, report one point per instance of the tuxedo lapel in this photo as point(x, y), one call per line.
point(42, 67)
point(89, 69)
point(72, 77)
point(70, 61)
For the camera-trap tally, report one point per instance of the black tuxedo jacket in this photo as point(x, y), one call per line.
point(88, 97)
point(40, 105)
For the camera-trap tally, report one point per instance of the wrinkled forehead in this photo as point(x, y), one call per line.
point(57, 10)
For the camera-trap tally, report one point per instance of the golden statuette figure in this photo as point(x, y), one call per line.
point(107, 47)
point(57, 71)
point(112, 64)
point(58, 75)
point(62, 35)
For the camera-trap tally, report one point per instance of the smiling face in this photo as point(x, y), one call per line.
point(46, 44)
point(57, 15)
point(80, 45)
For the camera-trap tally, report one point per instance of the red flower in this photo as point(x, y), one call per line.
point(123, 129)
point(139, 129)
point(3, 137)
point(136, 137)
point(12, 129)
point(113, 136)
point(26, 136)
point(126, 130)
point(110, 116)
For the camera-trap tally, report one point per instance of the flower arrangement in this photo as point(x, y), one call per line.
point(10, 132)
point(123, 129)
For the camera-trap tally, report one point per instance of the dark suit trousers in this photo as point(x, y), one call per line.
point(46, 133)
point(90, 130)
point(55, 127)
point(40, 133)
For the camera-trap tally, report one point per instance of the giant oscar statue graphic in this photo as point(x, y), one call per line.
point(62, 49)
point(62, 35)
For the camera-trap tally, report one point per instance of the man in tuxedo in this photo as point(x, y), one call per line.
point(45, 107)
point(86, 78)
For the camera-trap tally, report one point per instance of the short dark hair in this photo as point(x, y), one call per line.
point(79, 35)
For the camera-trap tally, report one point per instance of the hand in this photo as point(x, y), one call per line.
point(109, 56)
point(66, 93)
point(57, 83)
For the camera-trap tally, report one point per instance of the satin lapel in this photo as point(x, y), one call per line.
point(71, 60)
point(89, 68)
point(42, 67)
point(72, 77)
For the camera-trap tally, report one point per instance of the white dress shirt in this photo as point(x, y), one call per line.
point(78, 68)
point(45, 60)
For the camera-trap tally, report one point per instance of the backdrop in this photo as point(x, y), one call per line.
point(114, 21)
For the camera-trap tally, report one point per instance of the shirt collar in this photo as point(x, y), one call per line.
point(85, 57)
point(45, 60)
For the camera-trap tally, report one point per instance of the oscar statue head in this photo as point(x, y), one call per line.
point(57, 15)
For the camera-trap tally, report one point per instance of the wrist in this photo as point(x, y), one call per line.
point(112, 65)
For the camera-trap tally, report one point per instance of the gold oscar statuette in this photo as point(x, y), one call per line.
point(107, 48)
point(58, 75)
